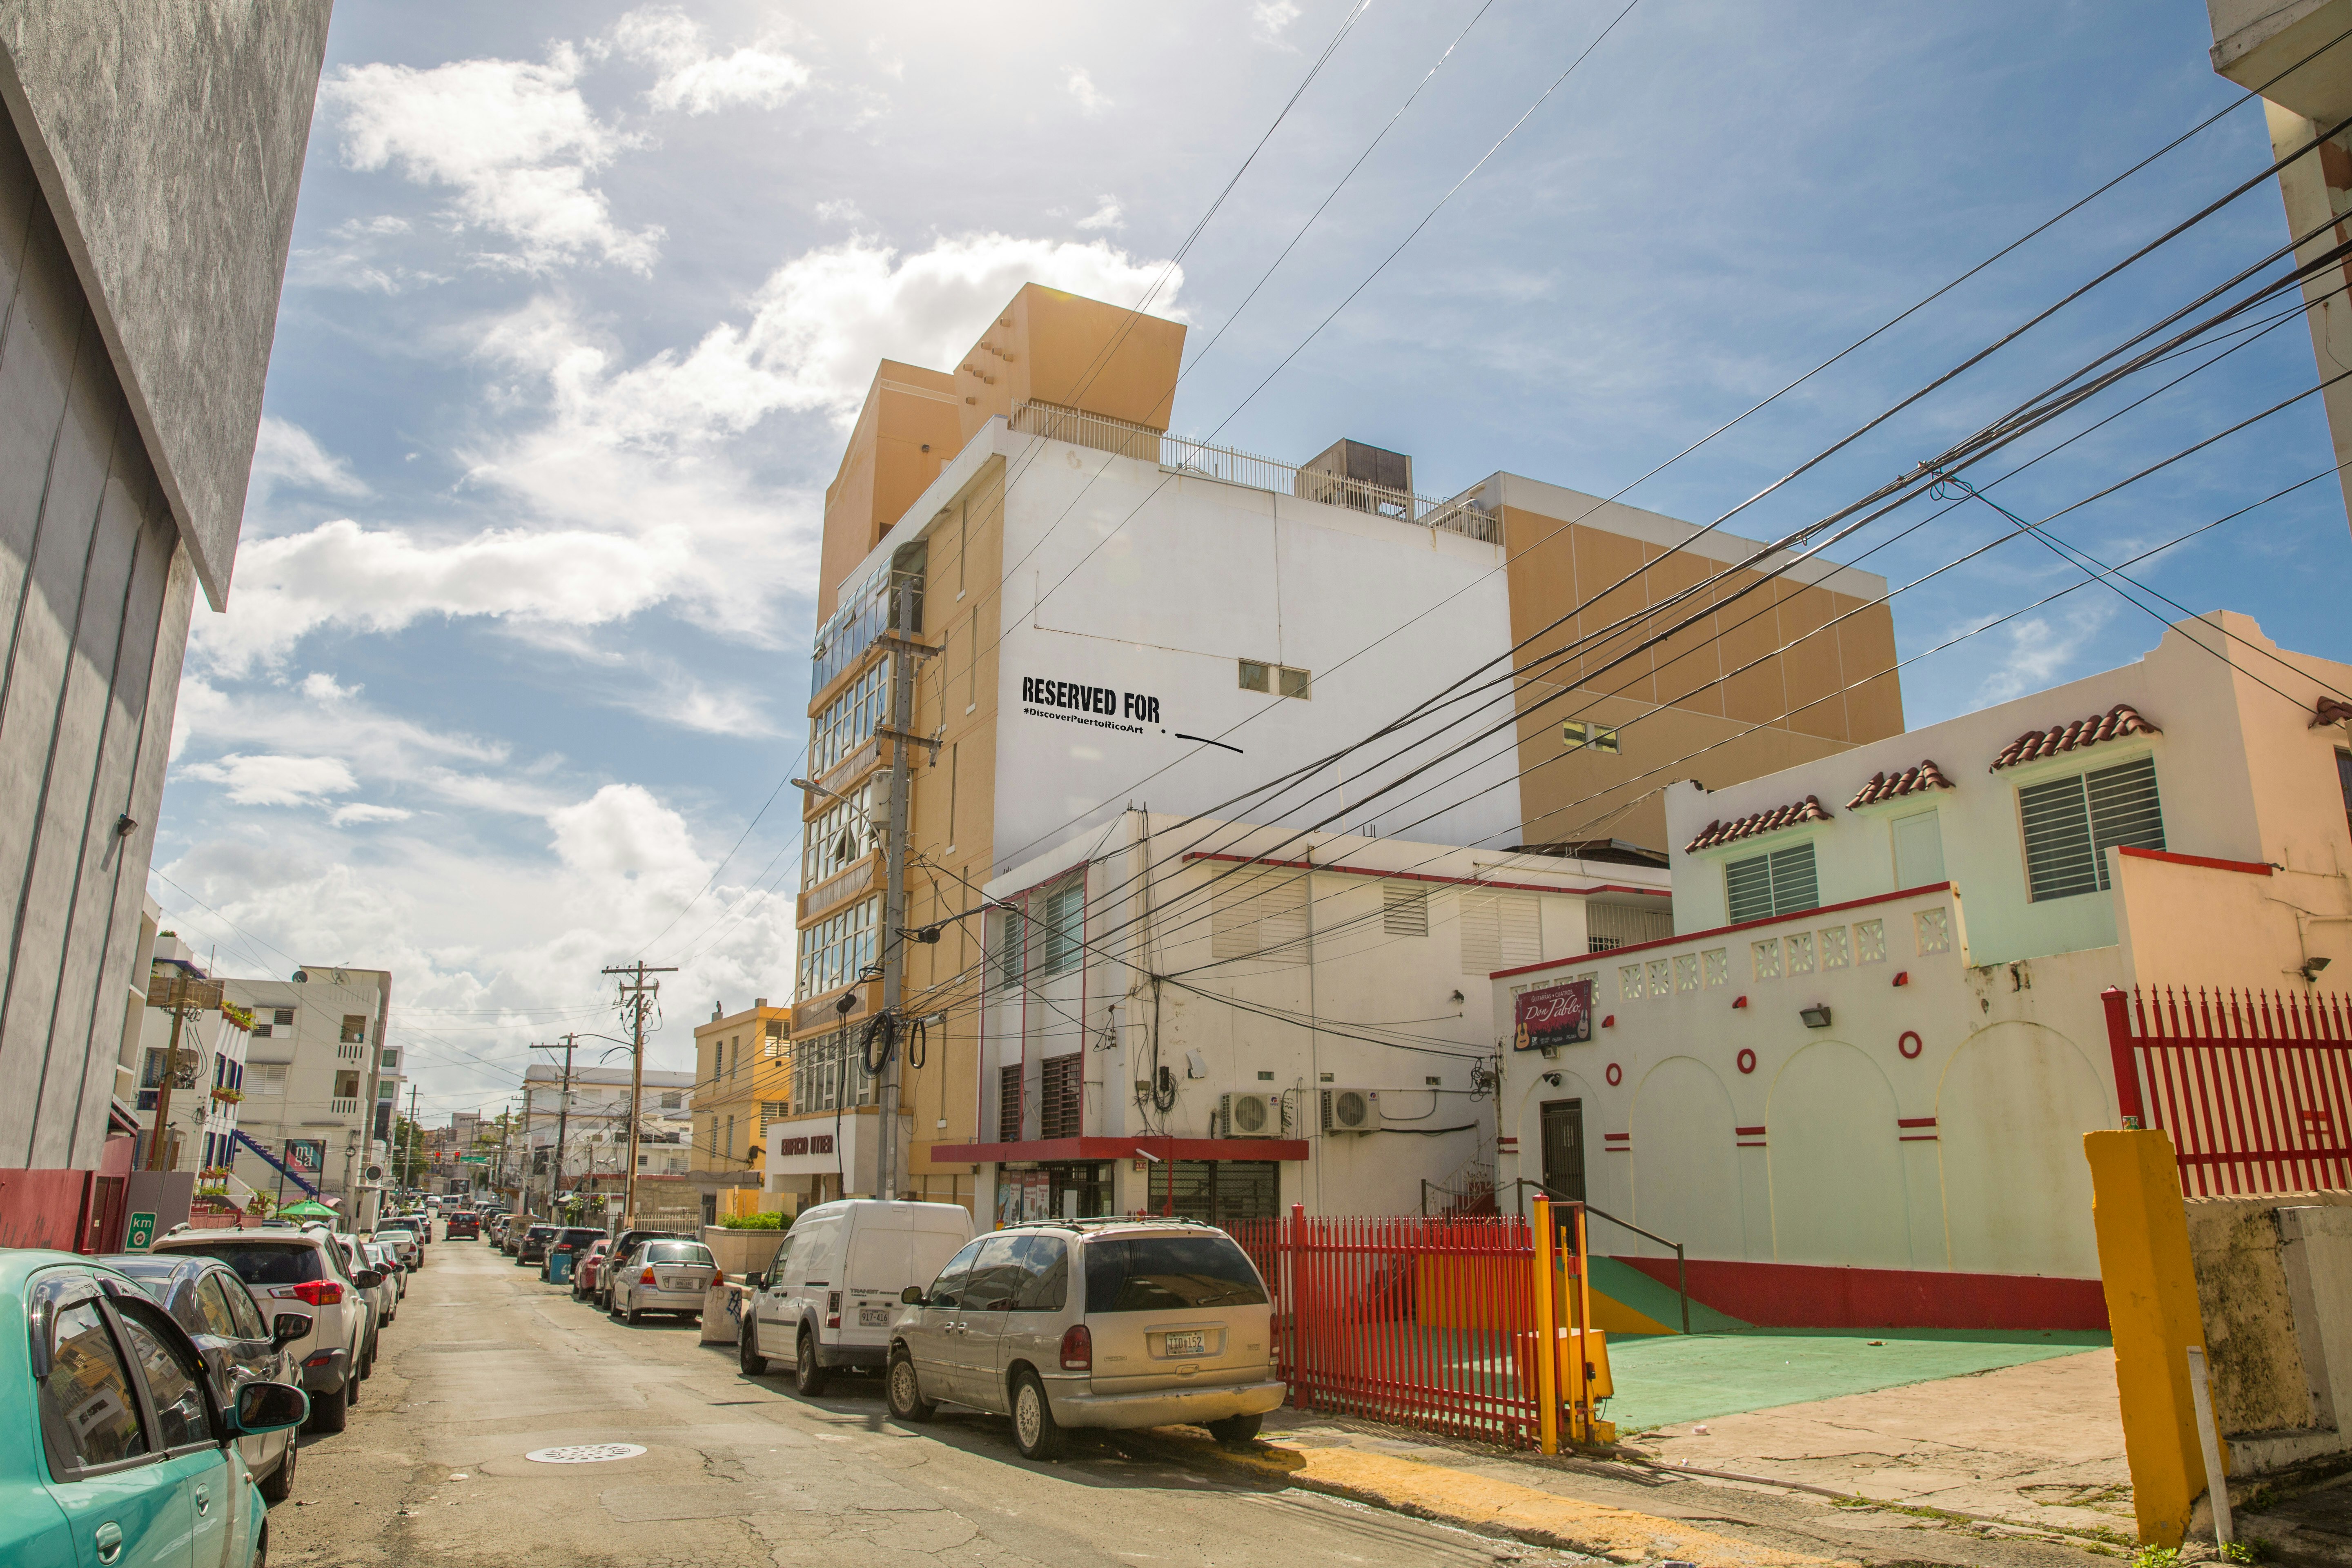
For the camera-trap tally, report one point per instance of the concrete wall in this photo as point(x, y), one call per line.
point(2275, 1286)
point(169, 142)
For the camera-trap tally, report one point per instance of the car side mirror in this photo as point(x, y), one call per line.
point(269, 1407)
point(288, 1327)
point(756, 1279)
point(367, 1278)
point(912, 1295)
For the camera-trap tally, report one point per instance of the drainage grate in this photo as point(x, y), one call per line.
point(586, 1453)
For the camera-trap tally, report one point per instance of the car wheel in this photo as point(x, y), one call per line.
point(808, 1375)
point(629, 1311)
point(747, 1350)
point(1236, 1430)
point(1035, 1431)
point(904, 1390)
point(327, 1411)
point(280, 1485)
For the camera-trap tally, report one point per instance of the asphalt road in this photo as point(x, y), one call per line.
point(486, 1365)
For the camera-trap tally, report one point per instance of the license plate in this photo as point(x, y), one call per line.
point(675, 1282)
point(1190, 1341)
point(873, 1317)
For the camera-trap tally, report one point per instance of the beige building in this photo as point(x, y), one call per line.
point(743, 1082)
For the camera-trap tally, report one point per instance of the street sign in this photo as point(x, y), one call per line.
point(473, 1158)
point(140, 1235)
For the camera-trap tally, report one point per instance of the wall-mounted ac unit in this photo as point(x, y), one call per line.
point(1250, 1115)
point(1351, 1110)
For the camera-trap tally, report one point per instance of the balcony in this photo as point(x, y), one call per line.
point(341, 1107)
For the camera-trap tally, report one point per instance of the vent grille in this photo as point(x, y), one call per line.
point(1500, 931)
point(2070, 823)
point(1404, 909)
point(1260, 915)
point(1780, 883)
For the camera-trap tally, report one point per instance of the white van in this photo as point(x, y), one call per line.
point(832, 1293)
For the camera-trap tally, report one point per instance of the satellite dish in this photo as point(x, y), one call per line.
point(301, 976)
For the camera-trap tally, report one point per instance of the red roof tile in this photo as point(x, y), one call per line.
point(2116, 722)
point(1927, 775)
point(1809, 809)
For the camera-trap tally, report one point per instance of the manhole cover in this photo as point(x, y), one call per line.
point(586, 1453)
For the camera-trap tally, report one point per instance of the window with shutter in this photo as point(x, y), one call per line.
point(1500, 931)
point(2070, 823)
point(1064, 919)
point(1404, 909)
point(1259, 915)
point(1012, 940)
point(1061, 1102)
point(1008, 1102)
point(1779, 883)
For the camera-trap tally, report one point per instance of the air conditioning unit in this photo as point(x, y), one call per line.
point(1351, 1110)
point(1250, 1115)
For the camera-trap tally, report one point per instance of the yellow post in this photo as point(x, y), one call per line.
point(1583, 1425)
point(1546, 1347)
point(2151, 1288)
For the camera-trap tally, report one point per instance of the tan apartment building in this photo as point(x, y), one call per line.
point(743, 1082)
point(1105, 616)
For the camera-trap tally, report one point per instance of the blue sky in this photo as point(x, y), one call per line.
point(582, 297)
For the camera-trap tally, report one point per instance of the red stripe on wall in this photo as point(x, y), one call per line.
point(1802, 1296)
point(1750, 1132)
point(1914, 1121)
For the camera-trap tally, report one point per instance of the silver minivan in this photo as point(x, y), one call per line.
point(1131, 1323)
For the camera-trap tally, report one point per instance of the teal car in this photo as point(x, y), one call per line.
point(123, 1456)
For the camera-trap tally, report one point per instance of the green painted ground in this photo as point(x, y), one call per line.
point(1664, 1379)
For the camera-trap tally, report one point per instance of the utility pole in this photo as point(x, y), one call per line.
point(562, 1112)
point(183, 995)
point(904, 653)
point(637, 996)
point(408, 1159)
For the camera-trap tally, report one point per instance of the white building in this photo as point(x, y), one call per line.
point(1869, 1053)
point(595, 1127)
point(204, 1092)
point(1321, 1032)
point(315, 1069)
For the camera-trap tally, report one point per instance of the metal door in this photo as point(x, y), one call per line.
point(1563, 1148)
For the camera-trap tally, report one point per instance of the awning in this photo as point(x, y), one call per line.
point(1127, 1147)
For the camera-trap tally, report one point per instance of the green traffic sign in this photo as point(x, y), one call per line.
point(140, 1235)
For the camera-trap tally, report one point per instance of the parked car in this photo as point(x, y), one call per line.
point(383, 1295)
point(623, 1244)
point(534, 1244)
point(463, 1225)
point(493, 1230)
point(1091, 1323)
point(303, 1268)
point(386, 1260)
point(404, 1243)
point(664, 1275)
point(832, 1293)
point(238, 1342)
point(585, 1261)
point(511, 1238)
point(571, 1239)
point(137, 1462)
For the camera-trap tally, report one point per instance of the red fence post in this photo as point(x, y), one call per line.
point(1294, 1254)
point(2120, 1046)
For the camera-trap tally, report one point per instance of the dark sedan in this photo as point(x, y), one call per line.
point(239, 1344)
point(534, 1243)
point(574, 1239)
point(464, 1224)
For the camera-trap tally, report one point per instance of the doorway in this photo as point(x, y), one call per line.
point(1563, 1148)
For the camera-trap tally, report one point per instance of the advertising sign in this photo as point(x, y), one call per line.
point(306, 1156)
point(1553, 1015)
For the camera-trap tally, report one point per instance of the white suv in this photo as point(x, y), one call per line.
point(304, 1267)
point(1091, 1323)
point(829, 1297)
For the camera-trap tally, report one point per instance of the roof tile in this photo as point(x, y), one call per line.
point(2116, 722)
point(1809, 809)
point(1925, 776)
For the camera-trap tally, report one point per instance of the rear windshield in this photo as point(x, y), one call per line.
point(579, 1238)
point(258, 1263)
point(677, 1252)
point(539, 1230)
point(1169, 1273)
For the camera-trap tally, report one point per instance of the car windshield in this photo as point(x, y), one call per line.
point(1169, 1273)
point(259, 1263)
point(146, 1271)
point(677, 1252)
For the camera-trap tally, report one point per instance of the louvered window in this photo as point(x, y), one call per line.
point(1064, 918)
point(1058, 1108)
point(2069, 824)
point(1404, 909)
point(1258, 915)
point(1500, 931)
point(1012, 937)
point(1780, 883)
point(1008, 1102)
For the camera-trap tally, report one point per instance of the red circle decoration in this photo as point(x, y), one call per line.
point(1910, 1045)
point(1746, 1062)
point(1616, 1075)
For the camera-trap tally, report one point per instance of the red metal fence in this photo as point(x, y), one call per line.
point(2254, 1087)
point(1426, 1322)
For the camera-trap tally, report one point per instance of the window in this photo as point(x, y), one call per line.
point(347, 1086)
point(1500, 931)
point(1256, 676)
point(1279, 680)
point(88, 1414)
point(848, 720)
point(836, 949)
point(354, 1028)
point(2069, 824)
point(1578, 734)
point(175, 1381)
point(1010, 928)
point(730, 1137)
point(1058, 946)
point(1169, 1274)
point(2344, 780)
point(821, 1068)
point(1061, 1108)
point(389, 1060)
point(1258, 914)
point(1780, 883)
point(672, 1099)
point(1404, 910)
point(281, 1015)
point(1008, 1102)
point(1292, 682)
point(836, 838)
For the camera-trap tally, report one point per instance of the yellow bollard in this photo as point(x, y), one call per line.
point(1546, 1326)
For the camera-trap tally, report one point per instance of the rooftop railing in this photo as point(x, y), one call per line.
point(1459, 515)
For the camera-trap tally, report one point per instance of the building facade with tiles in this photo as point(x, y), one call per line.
point(1855, 1084)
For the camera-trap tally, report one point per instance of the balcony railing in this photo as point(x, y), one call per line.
point(1458, 515)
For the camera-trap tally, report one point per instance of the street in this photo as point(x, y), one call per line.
point(487, 1364)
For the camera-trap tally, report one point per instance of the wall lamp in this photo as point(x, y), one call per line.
point(1816, 1016)
point(1552, 1079)
point(2312, 967)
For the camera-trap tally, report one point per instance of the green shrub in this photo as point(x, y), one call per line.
point(771, 1221)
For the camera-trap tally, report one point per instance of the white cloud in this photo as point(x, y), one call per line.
point(1091, 101)
point(1107, 214)
point(695, 79)
point(1270, 18)
point(2041, 647)
point(344, 816)
point(622, 831)
point(284, 454)
point(273, 780)
point(841, 211)
point(515, 141)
